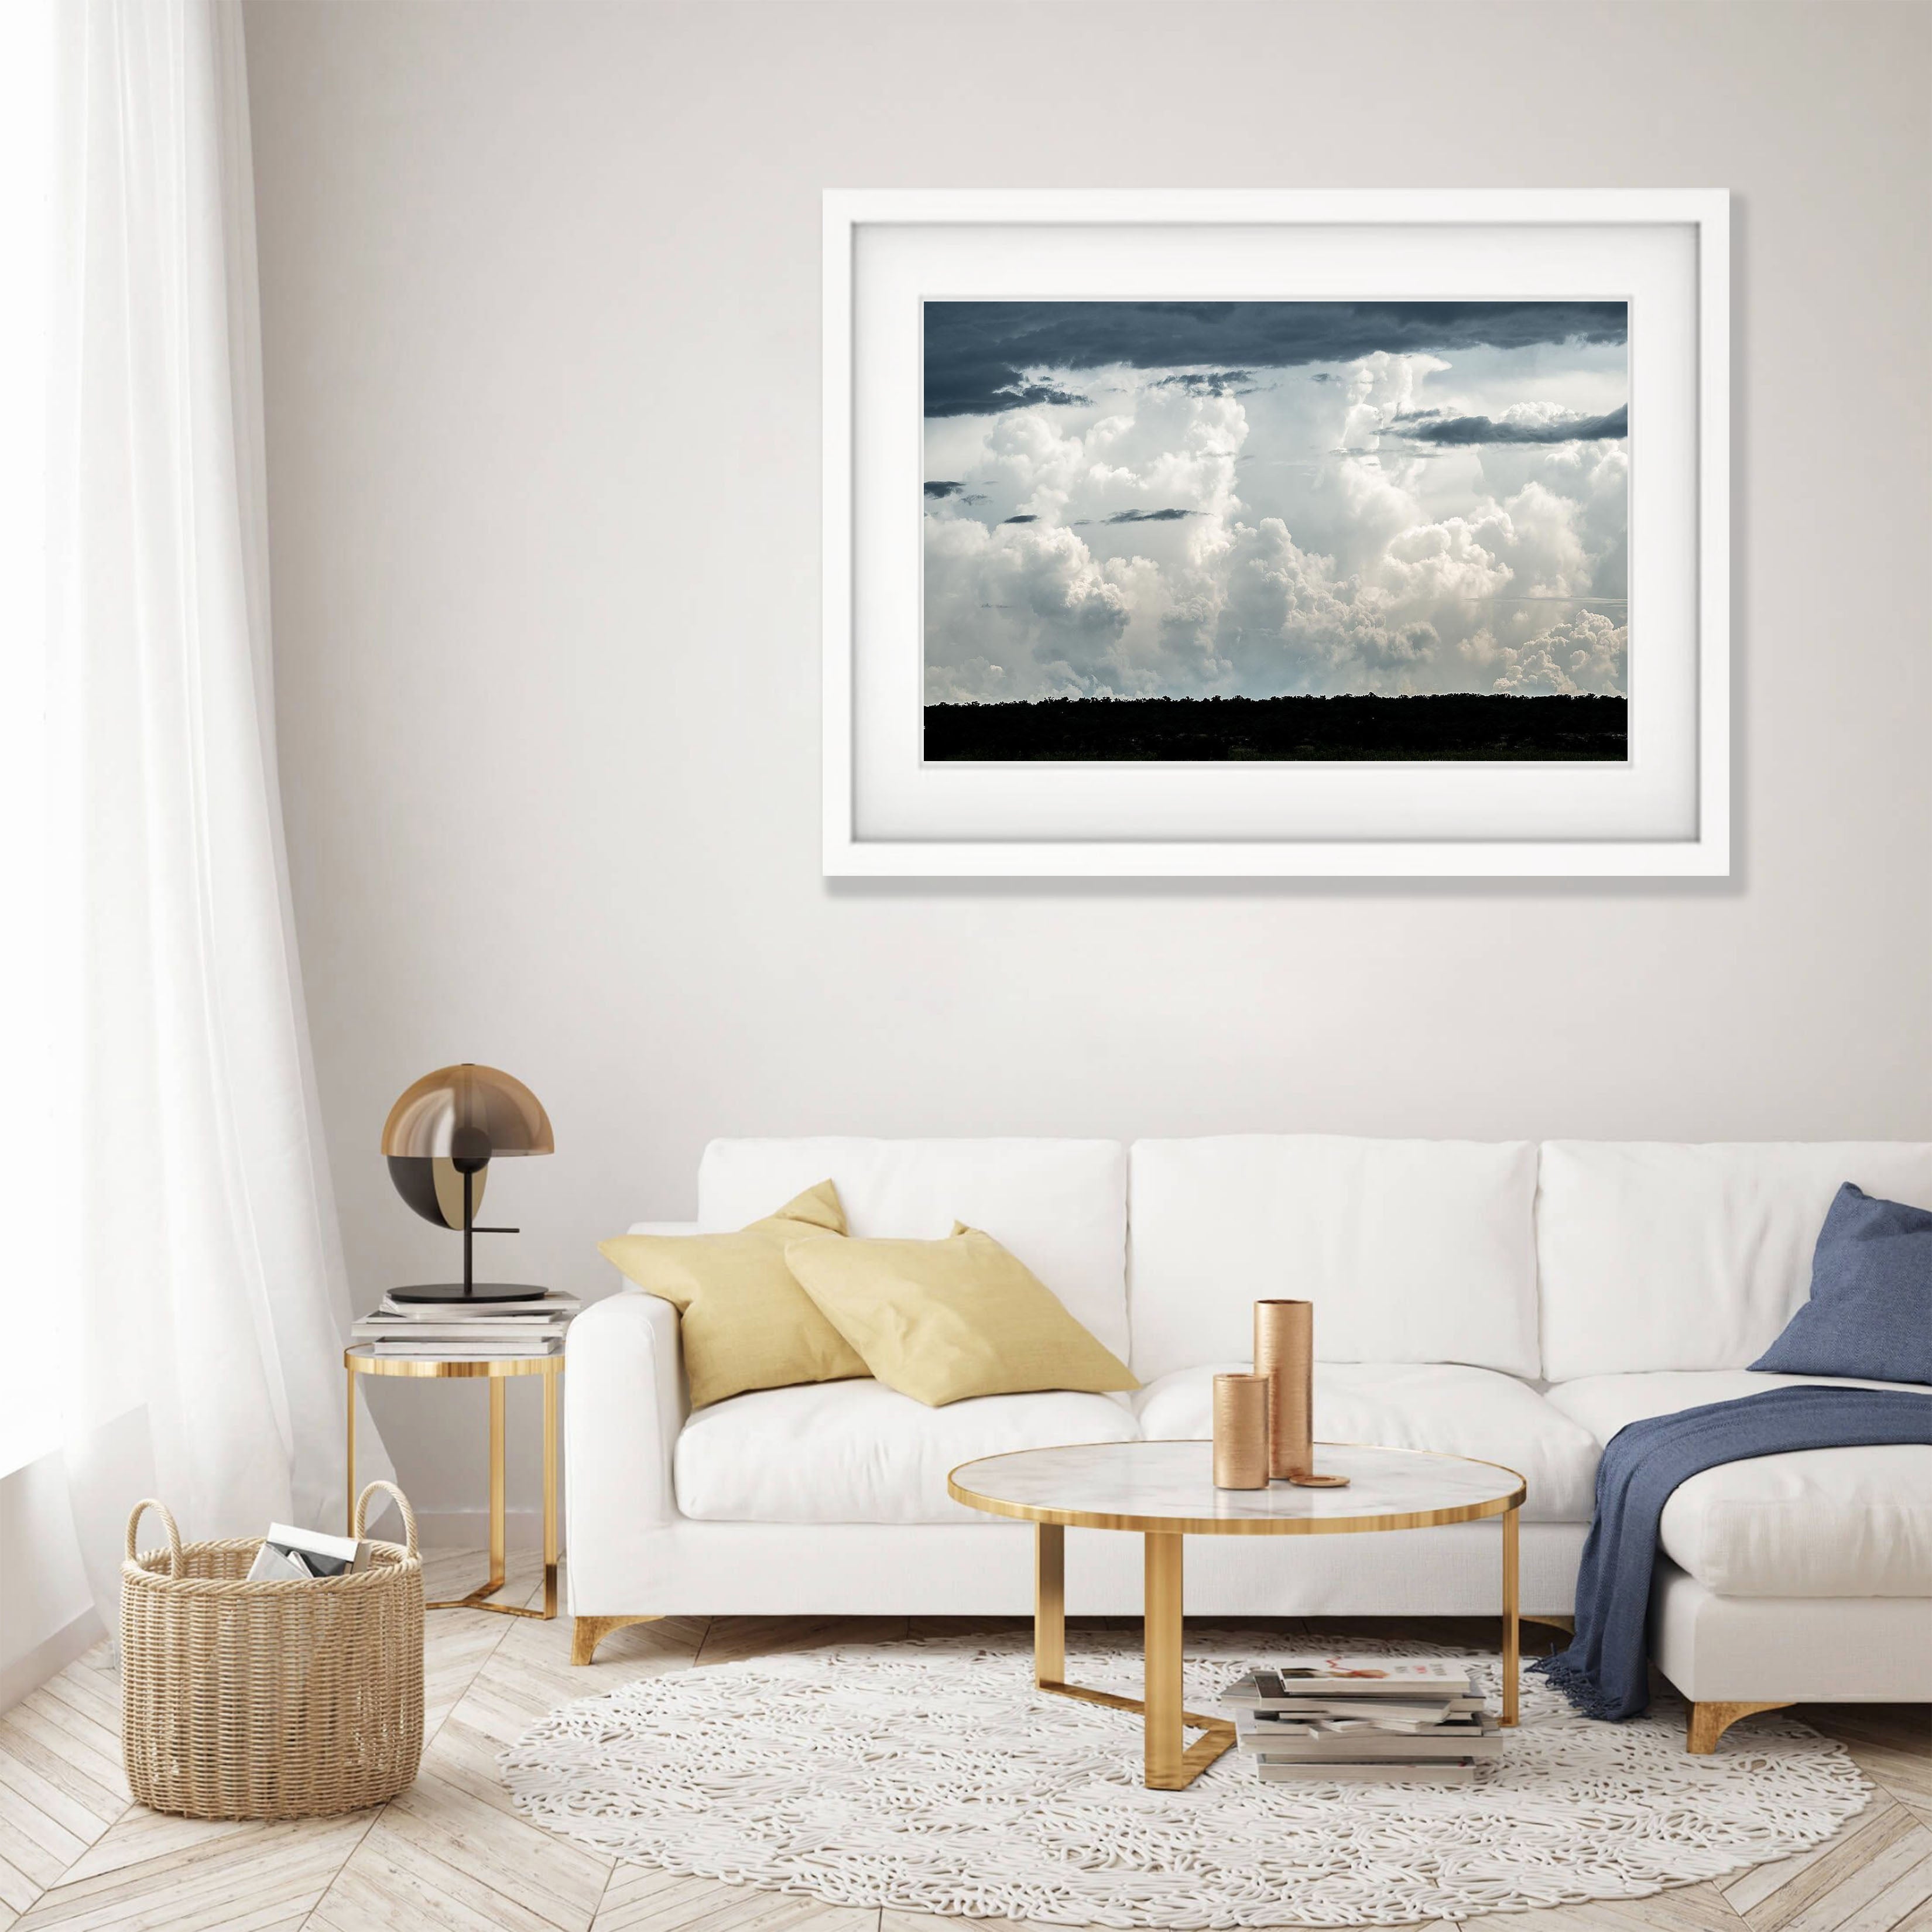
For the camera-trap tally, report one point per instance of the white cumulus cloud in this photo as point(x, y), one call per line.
point(1181, 535)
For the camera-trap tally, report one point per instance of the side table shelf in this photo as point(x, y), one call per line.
point(362, 1361)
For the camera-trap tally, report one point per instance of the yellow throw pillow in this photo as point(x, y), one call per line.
point(940, 1321)
point(745, 1322)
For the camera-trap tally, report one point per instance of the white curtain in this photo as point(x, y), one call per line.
point(207, 1289)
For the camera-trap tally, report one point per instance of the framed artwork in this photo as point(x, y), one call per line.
point(1286, 533)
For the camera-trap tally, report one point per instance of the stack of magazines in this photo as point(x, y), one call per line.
point(289, 1555)
point(468, 1331)
point(1419, 1720)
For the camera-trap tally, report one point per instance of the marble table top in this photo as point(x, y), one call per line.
point(1169, 1486)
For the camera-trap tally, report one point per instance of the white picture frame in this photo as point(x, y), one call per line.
point(1665, 812)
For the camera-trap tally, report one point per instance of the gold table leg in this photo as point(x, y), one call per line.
point(550, 1495)
point(499, 1492)
point(1169, 1767)
point(1512, 1629)
point(349, 1500)
point(499, 1488)
point(499, 1508)
point(1049, 1606)
point(1160, 1649)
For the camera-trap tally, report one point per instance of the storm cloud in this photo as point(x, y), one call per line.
point(985, 357)
point(1432, 426)
point(1021, 394)
point(1210, 382)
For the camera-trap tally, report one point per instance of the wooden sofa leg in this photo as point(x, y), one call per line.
point(1709, 1722)
point(589, 1632)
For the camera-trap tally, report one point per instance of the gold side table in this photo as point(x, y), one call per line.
point(363, 1360)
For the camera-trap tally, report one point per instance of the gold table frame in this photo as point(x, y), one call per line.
point(360, 1360)
point(1171, 1763)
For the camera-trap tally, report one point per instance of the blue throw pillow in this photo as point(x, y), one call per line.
point(1870, 1310)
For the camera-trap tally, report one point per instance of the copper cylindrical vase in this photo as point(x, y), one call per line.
point(1285, 1354)
point(1240, 1432)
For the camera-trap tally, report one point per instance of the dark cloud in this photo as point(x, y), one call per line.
point(1433, 426)
point(954, 493)
point(1139, 517)
point(1210, 381)
point(1019, 519)
point(1021, 395)
point(978, 353)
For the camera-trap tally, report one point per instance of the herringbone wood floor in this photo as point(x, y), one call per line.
point(451, 1852)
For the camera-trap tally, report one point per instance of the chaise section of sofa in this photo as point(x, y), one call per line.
point(1665, 1271)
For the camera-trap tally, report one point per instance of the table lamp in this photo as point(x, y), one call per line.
point(439, 1140)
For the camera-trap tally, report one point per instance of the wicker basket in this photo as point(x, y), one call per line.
point(269, 1700)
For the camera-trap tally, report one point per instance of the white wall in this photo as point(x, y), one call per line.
point(540, 286)
point(46, 1614)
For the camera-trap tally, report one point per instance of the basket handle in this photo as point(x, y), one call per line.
point(167, 1523)
point(402, 1503)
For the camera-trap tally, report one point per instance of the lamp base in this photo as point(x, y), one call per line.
point(440, 1292)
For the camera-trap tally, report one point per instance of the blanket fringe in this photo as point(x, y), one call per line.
point(1578, 1683)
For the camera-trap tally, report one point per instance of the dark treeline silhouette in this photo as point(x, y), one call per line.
point(1458, 725)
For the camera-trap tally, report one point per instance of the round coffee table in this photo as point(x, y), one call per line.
point(1166, 1490)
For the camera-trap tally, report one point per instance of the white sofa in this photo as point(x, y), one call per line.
point(1506, 1301)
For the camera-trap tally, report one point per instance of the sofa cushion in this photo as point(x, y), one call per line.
point(743, 1321)
point(1404, 1405)
point(1870, 1308)
point(1060, 1205)
point(1411, 1251)
point(859, 1452)
point(1656, 1256)
point(944, 1322)
point(1812, 1522)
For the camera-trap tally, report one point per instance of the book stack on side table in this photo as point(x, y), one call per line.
point(474, 1332)
point(1418, 1719)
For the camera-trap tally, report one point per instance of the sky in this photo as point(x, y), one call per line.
point(1134, 499)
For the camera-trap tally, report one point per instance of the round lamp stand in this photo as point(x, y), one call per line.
point(457, 1293)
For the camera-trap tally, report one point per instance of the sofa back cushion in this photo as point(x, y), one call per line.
point(1656, 1256)
point(1060, 1205)
point(1411, 1251)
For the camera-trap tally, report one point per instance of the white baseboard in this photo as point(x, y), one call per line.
point(26, 1674)
point(469, 1528)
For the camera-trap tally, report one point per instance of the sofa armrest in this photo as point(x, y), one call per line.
point(625, 1406)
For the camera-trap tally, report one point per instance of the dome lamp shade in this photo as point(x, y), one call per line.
point(440, 1139)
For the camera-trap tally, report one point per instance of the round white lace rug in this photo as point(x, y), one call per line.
point(931, 1776)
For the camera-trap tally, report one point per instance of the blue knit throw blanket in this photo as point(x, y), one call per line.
point(1603, 1673)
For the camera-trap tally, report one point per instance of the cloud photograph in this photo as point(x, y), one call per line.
point(1190, 530)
